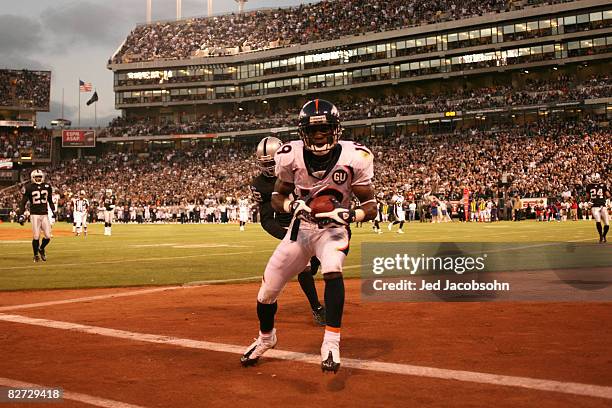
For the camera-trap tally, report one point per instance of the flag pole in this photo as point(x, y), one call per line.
point(79, 103)
point(96, 110)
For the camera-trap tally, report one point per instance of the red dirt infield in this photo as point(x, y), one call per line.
point(567, 342)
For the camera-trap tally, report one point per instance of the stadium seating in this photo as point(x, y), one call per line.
point(534, 92)
point(306, 23)
point(25, 89)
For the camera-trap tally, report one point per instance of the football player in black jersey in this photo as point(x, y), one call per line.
point(598, 193)
point(109, 202)
point(38, 194)
point(276, 224)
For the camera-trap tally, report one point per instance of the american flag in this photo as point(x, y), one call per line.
point(84, 86)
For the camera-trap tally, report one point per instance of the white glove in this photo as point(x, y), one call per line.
point(299, 206)
point(338, 215)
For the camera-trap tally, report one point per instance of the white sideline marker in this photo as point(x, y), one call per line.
point(572, 388)
point(69, 395)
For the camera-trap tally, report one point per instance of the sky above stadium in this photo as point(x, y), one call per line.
point(75, 38)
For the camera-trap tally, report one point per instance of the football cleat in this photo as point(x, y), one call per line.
point(258, 348)
point(390, 226)
point(36, 259)
point(330, 357)
point(43, 256)
point(318, 316)
point(400, 231)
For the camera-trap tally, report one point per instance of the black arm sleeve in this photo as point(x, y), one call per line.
point(269, 223)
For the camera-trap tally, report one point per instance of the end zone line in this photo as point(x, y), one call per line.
point(88, 298)
point(74, 396)
point(572, 388)
point(187, 285)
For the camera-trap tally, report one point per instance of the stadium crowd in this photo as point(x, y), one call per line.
point(533, 92)
point(306, 23)
point(545, 159)
point(25, 141)
point(25, 89)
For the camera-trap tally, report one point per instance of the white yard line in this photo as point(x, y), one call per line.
point(119, 261)
point(572, 388)
point(69, 395)
point(215, 281)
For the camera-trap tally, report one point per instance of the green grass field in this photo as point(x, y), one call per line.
point(175, 254)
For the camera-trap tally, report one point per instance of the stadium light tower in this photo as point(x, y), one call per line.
point(178, 9)
point(149, 11)
point(241, 5)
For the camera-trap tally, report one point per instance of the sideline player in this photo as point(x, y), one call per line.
point(108, 201)
point(55, 199)
point(399, 212)
point(598, 193)
point(81, 208)
point(276, 223)
point(38, 194)
point(318, 164)
point(243, 209)
point(379, 215)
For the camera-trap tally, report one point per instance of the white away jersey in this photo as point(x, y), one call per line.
point(354, 167)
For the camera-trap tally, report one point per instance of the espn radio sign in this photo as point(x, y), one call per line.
point(78, 138)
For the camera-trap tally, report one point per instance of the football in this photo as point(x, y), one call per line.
point(321, 204)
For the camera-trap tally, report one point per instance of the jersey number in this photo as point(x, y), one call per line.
point(359, 146)
point(39, 197)
point(595, 192)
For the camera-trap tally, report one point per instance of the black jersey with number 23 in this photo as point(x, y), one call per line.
point(39, 195)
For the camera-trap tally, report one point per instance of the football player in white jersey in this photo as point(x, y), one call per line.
point(81, 207)
point(55, 198)
point(318, 164)
point(243, 207)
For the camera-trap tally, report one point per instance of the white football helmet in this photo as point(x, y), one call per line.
point(37, 176)
point(266, 149)
point(594, 178)
point(109, 191)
